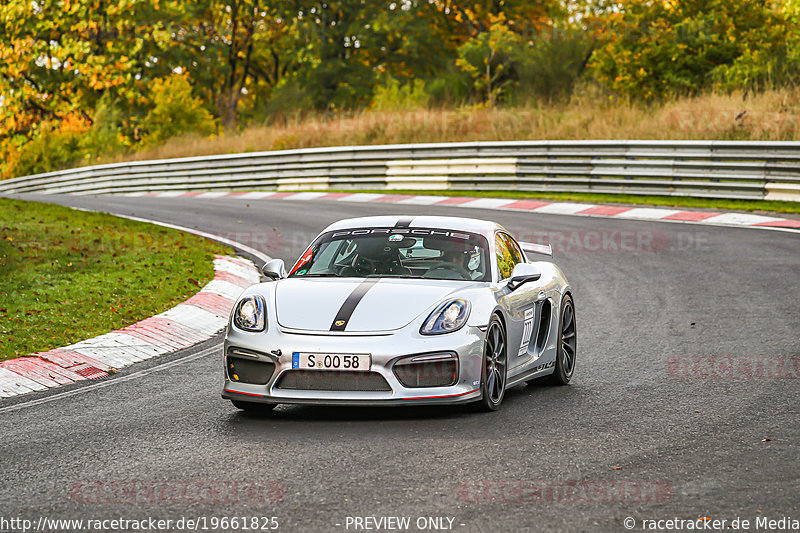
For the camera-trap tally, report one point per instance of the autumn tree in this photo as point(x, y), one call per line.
point(653, 49)
point(58, 59)
point(230, 46)
point(489, 59)
point(468, 19)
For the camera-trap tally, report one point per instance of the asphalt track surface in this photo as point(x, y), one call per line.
point(695, 447)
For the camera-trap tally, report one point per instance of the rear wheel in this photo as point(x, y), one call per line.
point(253, 407)
point(495, 367)
point(567, 344)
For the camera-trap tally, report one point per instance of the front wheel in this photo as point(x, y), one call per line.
point(495, 367)
point(567, 344)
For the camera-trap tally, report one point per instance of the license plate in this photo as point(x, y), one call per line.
point(331, 361)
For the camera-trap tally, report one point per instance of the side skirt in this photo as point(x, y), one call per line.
point(536, 372)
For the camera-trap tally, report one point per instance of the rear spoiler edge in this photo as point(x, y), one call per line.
point(536, 248)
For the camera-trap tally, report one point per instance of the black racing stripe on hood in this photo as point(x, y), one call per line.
point(350, 304)
point(404, 222)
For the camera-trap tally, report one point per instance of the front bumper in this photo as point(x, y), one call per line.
point(385, 349)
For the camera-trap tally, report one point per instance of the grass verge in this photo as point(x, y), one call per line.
point(716, 204)
point(772, 115)
point(68, 275)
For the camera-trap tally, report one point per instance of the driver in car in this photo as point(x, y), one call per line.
point(376, 257)
point(463, 261)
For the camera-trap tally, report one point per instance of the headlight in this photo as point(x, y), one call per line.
point(250, 314)
point(448, 317)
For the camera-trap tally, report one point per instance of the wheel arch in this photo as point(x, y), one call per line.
point(500, 314)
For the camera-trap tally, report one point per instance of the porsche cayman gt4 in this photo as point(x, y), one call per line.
point(395, 310)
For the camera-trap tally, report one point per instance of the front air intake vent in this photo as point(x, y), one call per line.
point(254, 372)
point(422, 373)
point(332, 380)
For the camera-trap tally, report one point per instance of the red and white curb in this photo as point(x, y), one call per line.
point(195, 320)
point(532, 206)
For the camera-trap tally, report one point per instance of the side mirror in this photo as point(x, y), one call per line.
point(523, 273)
point(274, 269)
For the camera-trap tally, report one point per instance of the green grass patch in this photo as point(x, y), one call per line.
point(68, 275)
point(716, 204)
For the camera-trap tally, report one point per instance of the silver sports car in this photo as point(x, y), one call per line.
point(401, 310)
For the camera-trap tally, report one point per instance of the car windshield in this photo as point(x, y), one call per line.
point(397, 252)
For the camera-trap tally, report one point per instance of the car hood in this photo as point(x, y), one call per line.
point(386, 303)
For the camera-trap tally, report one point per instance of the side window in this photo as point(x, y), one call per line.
point(515, 251)
point(508, 255)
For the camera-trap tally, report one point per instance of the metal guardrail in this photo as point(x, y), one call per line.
point(713, 169)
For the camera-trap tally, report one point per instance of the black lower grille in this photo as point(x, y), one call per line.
point(332, 380)
point(250, 371)
point(430, 374)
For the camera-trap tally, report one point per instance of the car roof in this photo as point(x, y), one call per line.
point(472, 225)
